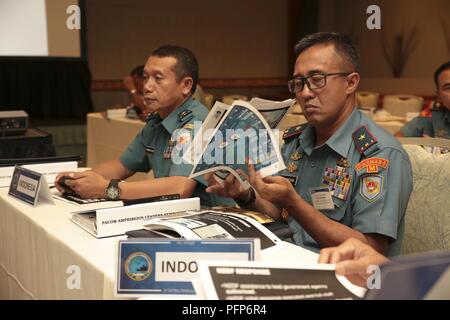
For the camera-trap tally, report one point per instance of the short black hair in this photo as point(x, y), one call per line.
point(138, 72)
point(343, 45)
point(186, 66)
point(437, 73)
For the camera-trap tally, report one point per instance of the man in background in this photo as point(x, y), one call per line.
point(134, 83)
point(438, 125)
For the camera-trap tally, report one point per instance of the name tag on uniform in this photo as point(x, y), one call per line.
point(27, 186)
point(321, 198)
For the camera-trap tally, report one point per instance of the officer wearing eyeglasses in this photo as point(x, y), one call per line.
point(345, 176)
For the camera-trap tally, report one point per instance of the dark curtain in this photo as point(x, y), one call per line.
point(46, 88)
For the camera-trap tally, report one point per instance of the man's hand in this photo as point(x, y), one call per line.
point(87, 184)
point(274, 189)
point(352, 258)
point(277, 190)
point(231, 187)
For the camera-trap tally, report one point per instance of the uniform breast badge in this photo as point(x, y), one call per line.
point(295, 156)
point(343, 162)
point(291, 167)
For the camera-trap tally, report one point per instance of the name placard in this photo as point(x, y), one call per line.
point(27, 186)
point(49, 170)
point(167, 267)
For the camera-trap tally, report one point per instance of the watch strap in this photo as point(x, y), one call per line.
point(248, 202)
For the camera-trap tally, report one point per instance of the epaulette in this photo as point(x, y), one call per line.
point(363, 139)
point(185, 116)
point(293, 131)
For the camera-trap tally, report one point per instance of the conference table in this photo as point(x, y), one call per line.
point(42, 251)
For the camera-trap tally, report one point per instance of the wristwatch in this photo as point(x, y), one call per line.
point(244, 204)
point(113, 190)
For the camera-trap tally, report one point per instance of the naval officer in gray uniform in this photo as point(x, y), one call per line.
point(438, 125)
point(170, 78)
point(345, 177)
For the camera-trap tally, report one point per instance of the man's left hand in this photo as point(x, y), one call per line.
point(88, 184)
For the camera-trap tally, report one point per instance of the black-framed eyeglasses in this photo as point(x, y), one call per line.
point(314, 81)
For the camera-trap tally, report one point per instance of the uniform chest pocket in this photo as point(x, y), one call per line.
point(338, 213)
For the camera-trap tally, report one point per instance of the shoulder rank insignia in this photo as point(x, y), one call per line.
point(293, 132)
point(363, 139)
point(372, 164)
point(185, 115)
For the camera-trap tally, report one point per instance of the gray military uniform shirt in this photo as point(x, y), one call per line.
point(366, 169)
point(438, 125)
point(154, 147)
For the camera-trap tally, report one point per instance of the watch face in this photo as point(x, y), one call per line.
point(112, 193)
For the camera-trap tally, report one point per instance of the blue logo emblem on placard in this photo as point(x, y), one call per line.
point(138, 266)
point(15, 181)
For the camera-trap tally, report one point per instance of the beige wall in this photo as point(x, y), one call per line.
point(350, 17)
point(62, 42)
point(231, 38)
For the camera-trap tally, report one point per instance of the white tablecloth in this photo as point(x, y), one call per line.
point(38, 245)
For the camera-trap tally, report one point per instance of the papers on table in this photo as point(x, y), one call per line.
point(239, 280)
point(212, 225)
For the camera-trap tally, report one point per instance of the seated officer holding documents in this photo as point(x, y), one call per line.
point(170, 78)
point(345, 176)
